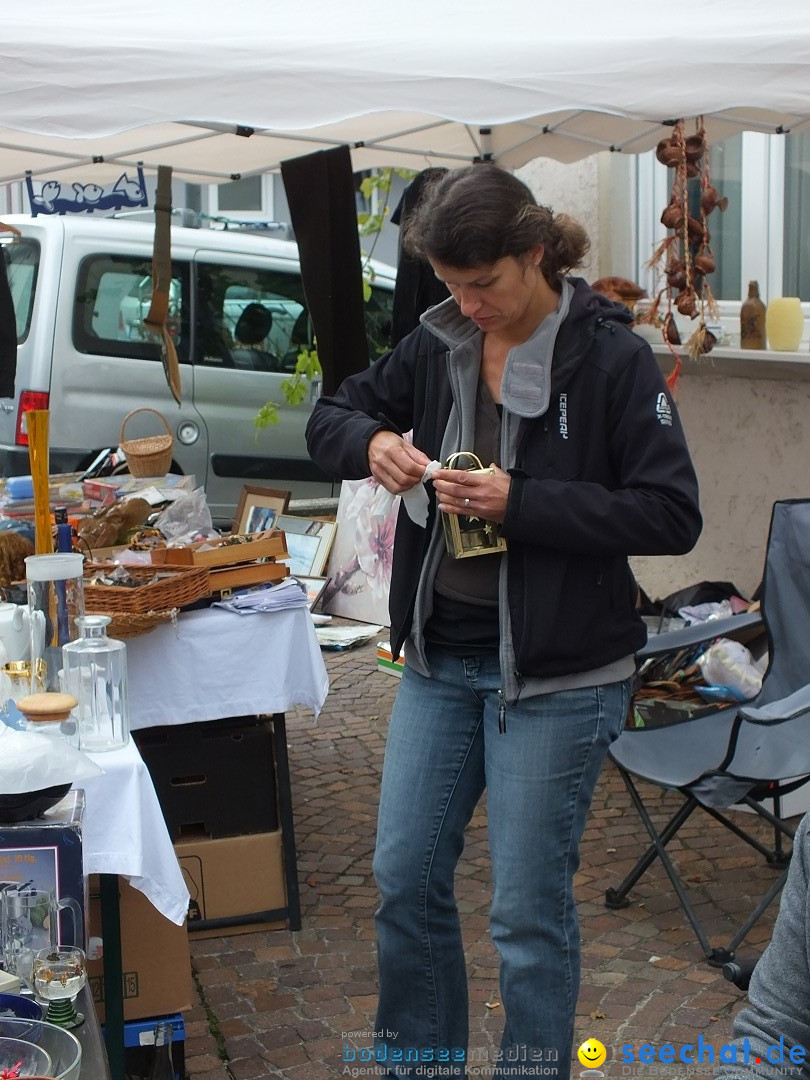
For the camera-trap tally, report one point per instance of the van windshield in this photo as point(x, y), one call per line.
point(22, 267)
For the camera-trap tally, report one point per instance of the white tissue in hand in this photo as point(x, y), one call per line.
point(31, 762)
point(416, 499)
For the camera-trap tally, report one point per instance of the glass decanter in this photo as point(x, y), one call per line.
point(94, 670)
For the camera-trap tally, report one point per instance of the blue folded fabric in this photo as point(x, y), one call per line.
point(20, 487)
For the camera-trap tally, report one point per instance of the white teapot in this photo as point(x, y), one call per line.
point(15, 632)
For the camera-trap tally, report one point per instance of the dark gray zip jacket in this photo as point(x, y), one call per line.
point(602, 474)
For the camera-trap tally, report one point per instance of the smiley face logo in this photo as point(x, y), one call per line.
point(592, 1054)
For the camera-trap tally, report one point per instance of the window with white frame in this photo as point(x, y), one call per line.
point(250, 197)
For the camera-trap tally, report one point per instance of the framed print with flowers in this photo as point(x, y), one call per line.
point(360, 563)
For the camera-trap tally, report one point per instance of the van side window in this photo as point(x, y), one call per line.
point(258, 320)
point(249, 318)
point(22, 266)
point(113, 295)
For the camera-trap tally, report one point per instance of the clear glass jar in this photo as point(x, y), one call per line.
point(55, 599)
point(95, 672)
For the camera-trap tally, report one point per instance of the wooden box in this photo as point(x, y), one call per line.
point(239, 577)
point(267, 545)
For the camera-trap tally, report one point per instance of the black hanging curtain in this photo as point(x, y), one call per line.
point(321, 196)
point(8, 334)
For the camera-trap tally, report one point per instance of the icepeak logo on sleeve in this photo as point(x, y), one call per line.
point(663, 410)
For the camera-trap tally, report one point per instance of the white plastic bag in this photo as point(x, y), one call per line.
point(729, 663)
point(186, 519)
point(30, 761)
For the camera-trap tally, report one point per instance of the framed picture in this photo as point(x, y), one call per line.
point(259, 509)
point(309, 541)
point(314, 587)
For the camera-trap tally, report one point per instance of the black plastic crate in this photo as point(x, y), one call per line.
point(215, 778)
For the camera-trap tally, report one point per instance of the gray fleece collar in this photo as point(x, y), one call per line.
point(526, 384)
point(448, 324)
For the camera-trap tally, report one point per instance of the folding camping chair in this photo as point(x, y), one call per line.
point(741, 753)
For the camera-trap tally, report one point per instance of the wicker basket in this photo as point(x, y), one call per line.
point(177, 586)
point(129, 624)
point(151, 456)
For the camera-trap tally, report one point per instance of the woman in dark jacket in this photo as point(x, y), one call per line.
point(518, 661)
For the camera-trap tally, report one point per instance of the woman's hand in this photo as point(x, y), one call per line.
point(394, 463)
point(479, 494)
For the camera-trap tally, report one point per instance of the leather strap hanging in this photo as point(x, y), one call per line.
point(162, 278)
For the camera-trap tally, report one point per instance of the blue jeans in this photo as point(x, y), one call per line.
point(443, 749)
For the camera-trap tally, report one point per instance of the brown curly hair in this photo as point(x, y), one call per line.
point(477, 215)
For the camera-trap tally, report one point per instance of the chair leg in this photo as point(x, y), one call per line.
point(772, 857)
point(763, 906)
point(616, 898)
point(777, 857)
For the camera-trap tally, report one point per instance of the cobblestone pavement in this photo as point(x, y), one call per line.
point(276, 1003)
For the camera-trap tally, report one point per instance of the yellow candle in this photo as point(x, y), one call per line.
point(784, 323)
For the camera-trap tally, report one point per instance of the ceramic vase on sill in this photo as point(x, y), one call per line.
point(784, 323)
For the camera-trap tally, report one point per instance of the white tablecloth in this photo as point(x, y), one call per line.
point(217, 664)
point(124, 832)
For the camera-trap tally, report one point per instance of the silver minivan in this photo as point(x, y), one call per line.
point(81, 288)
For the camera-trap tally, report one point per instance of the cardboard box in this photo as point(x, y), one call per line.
point(46, 854)
point(154, 957)
point(387, 662)
point(236, 884)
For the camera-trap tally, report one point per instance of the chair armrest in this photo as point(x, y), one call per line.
point(785, 709)
point(657, 644)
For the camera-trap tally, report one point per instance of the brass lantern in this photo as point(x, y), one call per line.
point(464, 534)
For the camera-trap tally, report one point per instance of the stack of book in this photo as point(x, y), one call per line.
point(17, 495)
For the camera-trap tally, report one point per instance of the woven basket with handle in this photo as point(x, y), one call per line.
point(150, 456)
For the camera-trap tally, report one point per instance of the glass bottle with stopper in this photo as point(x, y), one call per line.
point(95, 672)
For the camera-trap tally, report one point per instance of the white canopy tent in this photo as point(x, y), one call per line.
point(219, 90)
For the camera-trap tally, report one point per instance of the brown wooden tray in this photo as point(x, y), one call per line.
point(236, 577)
point(266, 545)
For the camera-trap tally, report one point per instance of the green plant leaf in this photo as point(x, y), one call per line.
point(267, 415)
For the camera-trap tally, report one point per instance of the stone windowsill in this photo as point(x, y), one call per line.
point(741, 363)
